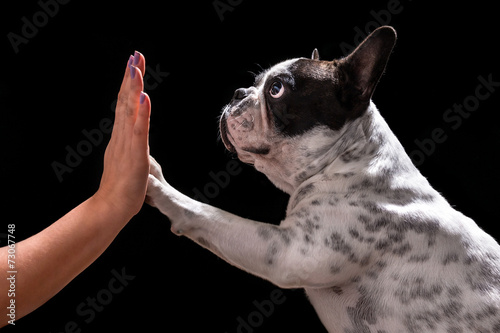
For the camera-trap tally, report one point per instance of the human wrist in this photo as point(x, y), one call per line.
point(109, 209)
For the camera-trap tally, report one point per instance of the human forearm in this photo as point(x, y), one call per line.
point(49, 260)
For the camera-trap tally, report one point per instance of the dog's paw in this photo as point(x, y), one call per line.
point(156, 183)
point(153, 192)
point(155, 170)
point(175, 205)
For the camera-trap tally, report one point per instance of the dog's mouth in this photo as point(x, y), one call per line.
point(224, 133)
point(229, 141)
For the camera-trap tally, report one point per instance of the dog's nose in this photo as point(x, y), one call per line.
point(240, 94)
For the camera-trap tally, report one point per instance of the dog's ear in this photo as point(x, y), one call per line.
point(360, 71)
point(315, 55)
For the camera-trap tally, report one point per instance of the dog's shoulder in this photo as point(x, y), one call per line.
point(372, 199)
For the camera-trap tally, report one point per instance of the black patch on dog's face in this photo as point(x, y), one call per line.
point(303, 93)
point(311, 97)
point(327, 92)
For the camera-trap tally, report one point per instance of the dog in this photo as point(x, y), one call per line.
point(375, 247)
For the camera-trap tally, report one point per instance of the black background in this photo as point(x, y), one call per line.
point(66, 77)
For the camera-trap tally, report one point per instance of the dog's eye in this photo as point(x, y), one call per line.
point(277, 89)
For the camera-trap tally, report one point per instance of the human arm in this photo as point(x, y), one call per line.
point(49, 260)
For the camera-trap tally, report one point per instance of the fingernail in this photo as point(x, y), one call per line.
point(132, 72)
point(130, 61)
point(137, 57)
point(142, 98)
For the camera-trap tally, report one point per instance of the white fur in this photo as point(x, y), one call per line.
point(376, 248)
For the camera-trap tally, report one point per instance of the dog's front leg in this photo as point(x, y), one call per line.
point(269, 251)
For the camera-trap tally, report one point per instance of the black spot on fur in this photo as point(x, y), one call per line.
point(302, 193)
point(203, 242)
point(337, 243)
point(364, 312)
point(268, 232)
point(337, 290)
point(450, 258)
point(272, 251)
point(413, 289)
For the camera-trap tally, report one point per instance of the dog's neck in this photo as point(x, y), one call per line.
point(365, 145)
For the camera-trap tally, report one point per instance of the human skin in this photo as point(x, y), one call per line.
point(47, 261)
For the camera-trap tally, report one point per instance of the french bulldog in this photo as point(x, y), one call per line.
point(375, 247)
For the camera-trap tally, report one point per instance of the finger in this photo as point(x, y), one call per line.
point(128, 102)
point(129, 98)
point(123, 94)
point(140, 139)
point(140, 62)
point(135, 62)
point(139, 149)
point(136, 69)
point(136, 85)
point(126, 75)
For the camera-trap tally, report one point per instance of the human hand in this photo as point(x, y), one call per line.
point(126, 163)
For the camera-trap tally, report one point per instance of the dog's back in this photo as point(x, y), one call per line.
point(421, 265)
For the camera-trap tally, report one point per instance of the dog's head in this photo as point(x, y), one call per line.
point(295, 96)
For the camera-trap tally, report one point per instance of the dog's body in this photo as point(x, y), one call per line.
point(376, 248)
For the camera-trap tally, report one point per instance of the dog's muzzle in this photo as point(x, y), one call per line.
point(235, 110)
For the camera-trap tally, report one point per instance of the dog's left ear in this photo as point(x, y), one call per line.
point(361, 70)
point(315, 55)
